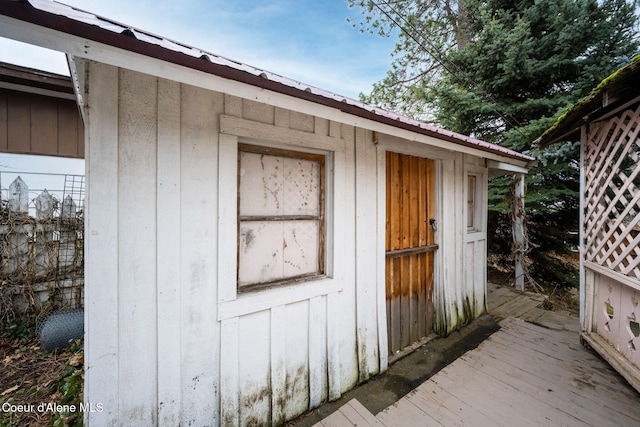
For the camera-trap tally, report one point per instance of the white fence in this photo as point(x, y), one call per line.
point(41, 247)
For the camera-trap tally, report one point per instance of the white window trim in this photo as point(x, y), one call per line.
point(232, 303)
point(479, 214)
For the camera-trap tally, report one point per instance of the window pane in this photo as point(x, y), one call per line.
point(274, 250)
point(261, 252)
point(300, 248)
point(471, 201)
point(301, 187)
point(271, 185)
point(261, 184)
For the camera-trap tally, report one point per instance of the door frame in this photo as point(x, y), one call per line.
point(442, 159)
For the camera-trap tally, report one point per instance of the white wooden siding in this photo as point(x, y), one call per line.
point(167, 329)
point(137, 129)
point(475, 243)
point(151, 292)
point(101, 245)
point(168, 271)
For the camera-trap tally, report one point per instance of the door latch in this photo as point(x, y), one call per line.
point(434, 224)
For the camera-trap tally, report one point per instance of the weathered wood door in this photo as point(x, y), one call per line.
point(409, 249)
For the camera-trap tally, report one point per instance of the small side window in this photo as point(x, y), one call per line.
point(473, 214)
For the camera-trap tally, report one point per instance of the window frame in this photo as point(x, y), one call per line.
point(474, 213)
point(322, 160)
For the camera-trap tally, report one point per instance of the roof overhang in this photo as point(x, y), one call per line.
point(23, 79)
point(81, 34)
point(618, 91)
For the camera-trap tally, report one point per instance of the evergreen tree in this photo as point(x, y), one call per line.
point(521, 65)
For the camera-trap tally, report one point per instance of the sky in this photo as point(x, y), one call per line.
point(306, 40)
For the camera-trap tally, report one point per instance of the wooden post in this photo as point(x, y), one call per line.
point(45, 205)
point(519, 242)
point(19, 196)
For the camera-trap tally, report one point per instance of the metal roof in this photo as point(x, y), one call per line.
point(70, 20)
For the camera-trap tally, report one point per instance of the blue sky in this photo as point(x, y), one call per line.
point(306, 40)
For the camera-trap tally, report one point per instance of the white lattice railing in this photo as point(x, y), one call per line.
point(612, 193)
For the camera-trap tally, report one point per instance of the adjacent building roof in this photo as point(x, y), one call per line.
point(614, 92)
point(67, 19)
point(26, 79)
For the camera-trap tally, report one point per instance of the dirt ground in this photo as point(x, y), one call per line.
point(37, 387)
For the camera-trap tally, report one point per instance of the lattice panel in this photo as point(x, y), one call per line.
point(612, 193)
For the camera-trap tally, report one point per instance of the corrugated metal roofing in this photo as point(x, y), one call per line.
point(84, 24)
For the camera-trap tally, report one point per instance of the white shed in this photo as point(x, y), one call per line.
point(255, 246)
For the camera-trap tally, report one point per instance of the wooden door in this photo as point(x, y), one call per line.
point(409, 249)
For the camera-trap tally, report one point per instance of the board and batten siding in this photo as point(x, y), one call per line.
point(169, 340)
point(39, 124)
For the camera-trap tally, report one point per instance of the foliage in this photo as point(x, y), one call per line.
point(425, 30)
point(69, 388)
point(31, 377)
point(527, 62)
point(523, 63)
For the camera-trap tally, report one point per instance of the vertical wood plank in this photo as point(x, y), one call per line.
point(380, 270)
point(101, 381)
point(168, 251)
point(4, 142)
point(297, 358)
point(405, 300)
point(415, 296)
point(423, 301)
point(366, 250)
point(429, 306)
point(388, 205)
point(396, 202)
point(431, 206)
point(200, 330)
point(405, 197)
point(19, 122)
point(317, 351)
point(67, 138)
point(44, 124)
point(415, 190)
point(396, 297)
point(254, 360)
point(333, 351)
point(423, 206)
point(137, 129)
point(278, 365)
point(229, 372)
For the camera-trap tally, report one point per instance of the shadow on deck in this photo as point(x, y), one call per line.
point(532, 371)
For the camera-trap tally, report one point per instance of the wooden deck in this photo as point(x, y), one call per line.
point(533, 371)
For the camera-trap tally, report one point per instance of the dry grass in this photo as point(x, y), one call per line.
point(30, 376)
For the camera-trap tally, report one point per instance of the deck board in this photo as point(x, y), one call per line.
point(533, 371)
point(351, 414)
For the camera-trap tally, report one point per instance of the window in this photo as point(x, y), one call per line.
point(280, 215)
point(472, 202)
